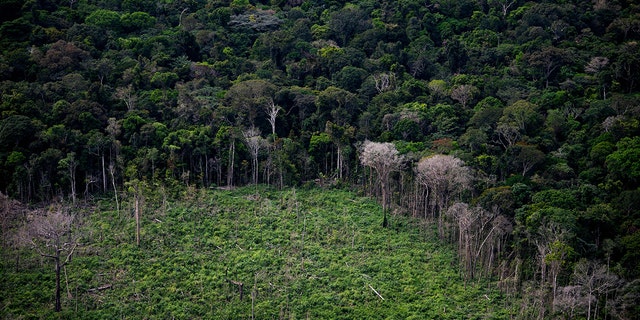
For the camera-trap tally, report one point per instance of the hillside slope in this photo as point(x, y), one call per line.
point(514, 125)
point(298, 254)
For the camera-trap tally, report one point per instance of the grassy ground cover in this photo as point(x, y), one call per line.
point(250, 253)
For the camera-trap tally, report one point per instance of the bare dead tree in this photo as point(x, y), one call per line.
point(112, 172)
point(569, 301)
point(272, 113)
point(127, 95)
point(136, 187)
point(384, 81)
point(384, 158)
point(444, 177)
point(479, 236)
point(503, 5)
point(611, 122)
point(463, 94)
point(88, 181)
point(550, 243)
point(596, 64)
point(51, 235)
point(507, 135)
point(595, 280)
point(254, 143)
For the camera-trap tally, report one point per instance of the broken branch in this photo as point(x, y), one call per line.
point(376, 292)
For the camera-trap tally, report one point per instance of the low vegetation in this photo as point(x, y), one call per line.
point(249, 253)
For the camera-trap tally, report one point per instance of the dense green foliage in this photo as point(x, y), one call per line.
point(298, 253)
point(539, 99)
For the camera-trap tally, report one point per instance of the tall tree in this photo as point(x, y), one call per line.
point(228, 135)
point(114, 129)
point(137, 188)
point(463, 94)
point(480, 237)
point(384, 158)
point(503, 5)
point(444, 177)
point(546, 62)
point(272, 113)
point(69, 164)
point(245, 97)
point(97, 143)
point(254, 143)
point(598, 67)
point(596, 280)
point(341, 136)
point(526, 157)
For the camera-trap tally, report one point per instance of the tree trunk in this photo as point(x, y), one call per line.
point(339, 164)
point(104, 175)
point(281, 172)
point(72, 177)
point(385, 222)
point(232, 151)
point(218, 168)
point(115, 190)
point(30, 180)
point(137, 212)
point(254, 163)
point(206, 170)
point(57, 261)
point(589, 305)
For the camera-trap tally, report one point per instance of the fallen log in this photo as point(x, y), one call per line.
point(100, 288)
